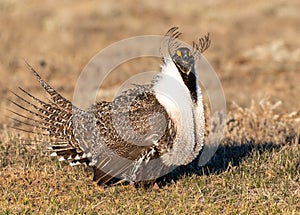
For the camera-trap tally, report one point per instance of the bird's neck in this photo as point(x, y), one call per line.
point(173, 94)
point(189, 81)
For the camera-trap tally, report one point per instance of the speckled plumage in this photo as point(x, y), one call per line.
point(138, 126)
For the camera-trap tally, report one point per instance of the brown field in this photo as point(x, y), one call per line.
point(256, 53)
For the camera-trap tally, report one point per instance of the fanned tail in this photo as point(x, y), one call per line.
point(51, 119)
point(54, 119)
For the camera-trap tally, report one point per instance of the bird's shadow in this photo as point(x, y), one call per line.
point(230, 153)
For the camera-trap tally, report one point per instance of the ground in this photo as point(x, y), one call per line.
point(255, 52)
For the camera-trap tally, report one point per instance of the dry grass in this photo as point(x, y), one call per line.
point(255, 169)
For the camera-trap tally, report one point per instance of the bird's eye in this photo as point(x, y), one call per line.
point(178, 53)
point(189, 53)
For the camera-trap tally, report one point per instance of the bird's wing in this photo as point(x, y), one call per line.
point(134, 126)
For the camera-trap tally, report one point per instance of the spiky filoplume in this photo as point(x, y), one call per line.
point(120, 138)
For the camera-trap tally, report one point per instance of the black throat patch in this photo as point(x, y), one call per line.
point(190, 81)
point(185, 63)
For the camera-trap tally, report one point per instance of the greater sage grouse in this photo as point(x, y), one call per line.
point(143, 134)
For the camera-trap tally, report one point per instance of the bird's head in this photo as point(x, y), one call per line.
point(184, 60)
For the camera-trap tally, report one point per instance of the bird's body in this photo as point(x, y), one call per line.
point(143, 132)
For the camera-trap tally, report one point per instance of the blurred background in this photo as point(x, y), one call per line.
point(255, 46)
